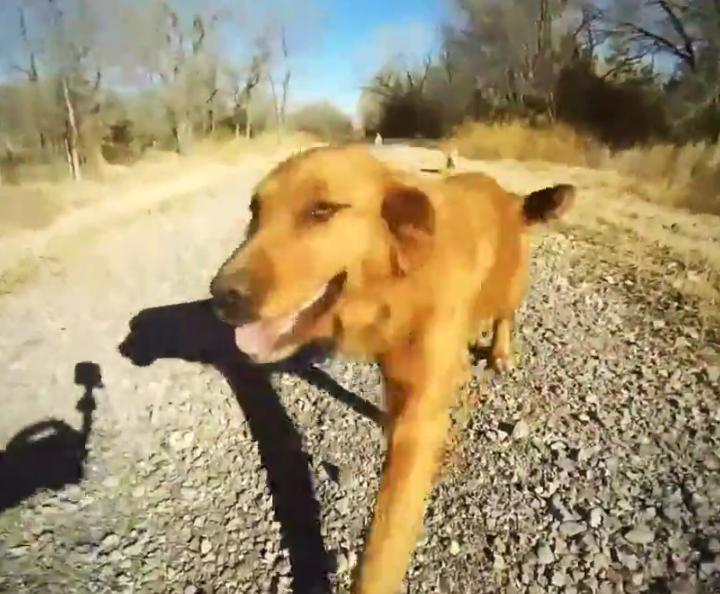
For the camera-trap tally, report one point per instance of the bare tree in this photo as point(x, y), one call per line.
point(74, 54)
point(30, 69)
point(244, 81)
point(516, 49)
point(280, 95)
point(687, 34)
point(652, 27)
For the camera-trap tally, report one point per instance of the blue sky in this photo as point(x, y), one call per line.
point(355, 38)
point(349, 40)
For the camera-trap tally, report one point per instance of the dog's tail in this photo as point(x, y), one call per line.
point(549, 203)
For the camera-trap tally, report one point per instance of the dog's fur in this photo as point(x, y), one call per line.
point(410, 269)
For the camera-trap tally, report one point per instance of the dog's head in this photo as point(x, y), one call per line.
point(324, 223)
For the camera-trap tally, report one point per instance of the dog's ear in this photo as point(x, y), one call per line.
point(410, 217)
point(548, 203)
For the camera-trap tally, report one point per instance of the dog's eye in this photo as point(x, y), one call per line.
point(324, 211)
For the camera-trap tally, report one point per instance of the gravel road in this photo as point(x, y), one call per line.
point(166, 465)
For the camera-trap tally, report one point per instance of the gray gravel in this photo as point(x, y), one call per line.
point(592, 467)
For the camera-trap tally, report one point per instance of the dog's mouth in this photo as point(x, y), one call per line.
point(266, 341)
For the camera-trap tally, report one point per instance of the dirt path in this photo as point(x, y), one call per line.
point(593, 467)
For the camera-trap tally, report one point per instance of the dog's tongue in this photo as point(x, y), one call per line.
point(255, 339)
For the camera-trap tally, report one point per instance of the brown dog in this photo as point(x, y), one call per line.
point(394, 268)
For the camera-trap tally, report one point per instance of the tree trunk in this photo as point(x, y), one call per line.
point(71, 135)
point(177, 140)
point(283, 105)
point(248, 126)
point(276, 107)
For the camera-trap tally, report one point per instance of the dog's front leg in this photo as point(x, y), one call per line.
point(501, 349)
point(420, 384)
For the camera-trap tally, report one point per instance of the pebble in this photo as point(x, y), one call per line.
point(545, 555)
point(596, 516)
point(712, 461)
point(713, 373)
point(110, 541)
point(640, 535)
point(559, 579)
point(672, 512)
point(521, 430)
point(572, 528)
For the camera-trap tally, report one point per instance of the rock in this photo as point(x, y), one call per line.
point(181, 440)
point(342, 505)
point(352, 560)
point(110, 541)
point(596, 516)
point(640, 535)
point(133, 550)
point(285, 584)
point(672, 512)
point(559, 579)
point(115, 557)
point(110, 482)
point(711, 461)
point(710, 567)
point(713, 373)
point(342, 564)
point(521, 430)
point(18, 551)
point(600, 562)
point(569, 529)
point(444, 585)
point(629, 561)
point(205, 546)
point(545, 555)
point(681, 585)
point(454, 547)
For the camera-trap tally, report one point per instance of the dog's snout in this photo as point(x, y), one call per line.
point(231, 299)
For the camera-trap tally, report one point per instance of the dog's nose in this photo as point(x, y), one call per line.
point(230, 301)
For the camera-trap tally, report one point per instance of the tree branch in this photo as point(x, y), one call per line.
point(677, 24)
point(659, 41)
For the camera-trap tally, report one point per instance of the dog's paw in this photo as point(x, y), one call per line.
point(501, 363)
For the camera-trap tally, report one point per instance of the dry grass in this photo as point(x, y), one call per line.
point(681, 176)
point(517, 140)
point(46, 194)
point(678, 176)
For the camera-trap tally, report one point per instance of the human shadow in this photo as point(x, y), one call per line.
point(49, 454)
point(191, 332)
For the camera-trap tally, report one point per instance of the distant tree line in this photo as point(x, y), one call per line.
point(626, 71)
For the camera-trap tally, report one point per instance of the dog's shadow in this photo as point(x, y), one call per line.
point(191, 332)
